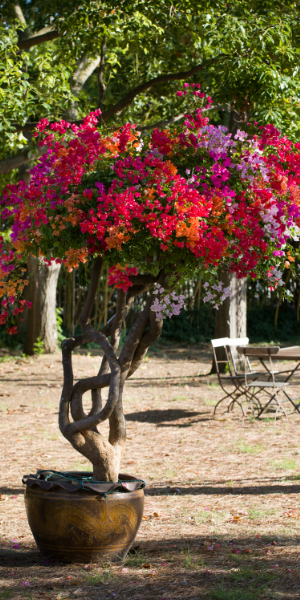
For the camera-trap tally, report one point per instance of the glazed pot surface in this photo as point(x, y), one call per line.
point(82, 526)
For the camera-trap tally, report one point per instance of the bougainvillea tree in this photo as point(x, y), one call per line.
point(155, 211)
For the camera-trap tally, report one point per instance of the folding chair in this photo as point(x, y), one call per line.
point(232, 382)
point(270, 387)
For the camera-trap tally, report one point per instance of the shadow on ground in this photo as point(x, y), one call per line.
point(161, 416)
point(271, 486)
point(222, 570)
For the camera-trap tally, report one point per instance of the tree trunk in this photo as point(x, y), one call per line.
point(69, 304)
point(79, 428)
point(47, 330)
point(238, 307)
point(41, 318)
point(231, 318)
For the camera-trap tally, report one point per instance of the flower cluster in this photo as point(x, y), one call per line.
point(118, 276)
point(275, 278)
point(216, 293)
point(166, 304)
point(190, 198)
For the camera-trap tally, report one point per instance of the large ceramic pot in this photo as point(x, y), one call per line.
point(74, 519)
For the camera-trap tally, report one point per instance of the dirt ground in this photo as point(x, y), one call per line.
point(222, 514)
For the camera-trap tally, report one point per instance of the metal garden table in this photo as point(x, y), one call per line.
point(263, 354)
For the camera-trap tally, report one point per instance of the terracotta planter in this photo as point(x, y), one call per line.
point(83, 525)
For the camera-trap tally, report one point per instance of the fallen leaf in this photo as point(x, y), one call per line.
point(155, 514)
point(146, 566)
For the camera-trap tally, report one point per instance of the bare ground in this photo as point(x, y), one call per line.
point(222, 515)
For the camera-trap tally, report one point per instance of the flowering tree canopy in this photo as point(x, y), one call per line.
point(194, 198)
point(189, 199)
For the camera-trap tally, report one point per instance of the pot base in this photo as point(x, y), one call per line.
point(82, 526)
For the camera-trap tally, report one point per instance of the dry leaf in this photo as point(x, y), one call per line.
point(146, 566)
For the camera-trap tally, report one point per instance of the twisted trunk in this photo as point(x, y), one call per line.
point(83, 430)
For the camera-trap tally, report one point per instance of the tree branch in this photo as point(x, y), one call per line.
point(17, 161)
point(84, 70)
point(223, 107)
point(128, 98)
point(101, 84)
point(161, 123)
point(139, 89)
point(38, 38)
point(18, 12)
point(147, 340)
point(88, 305)
point(67, 348)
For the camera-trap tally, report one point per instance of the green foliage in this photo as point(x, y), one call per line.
point(199, 326)
point(38, 347)
point(25, 82)
point(59, 326)
point(261, 327)
point(247, 54)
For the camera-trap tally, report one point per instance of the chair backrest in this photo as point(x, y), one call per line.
point(238, 341)
point(218, 343)
point(226, 356)
point(258, 350)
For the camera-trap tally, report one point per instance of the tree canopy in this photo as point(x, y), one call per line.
point(57, 58)
point(194, 198)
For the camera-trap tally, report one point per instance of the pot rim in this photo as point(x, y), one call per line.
point(72, 481)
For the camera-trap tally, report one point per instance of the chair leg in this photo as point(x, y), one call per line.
point(296, 406)
point(253, 403)
point(234, 396)
point(279, 407)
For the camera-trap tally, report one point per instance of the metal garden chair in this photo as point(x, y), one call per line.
point(258, 388)
point(231, 380)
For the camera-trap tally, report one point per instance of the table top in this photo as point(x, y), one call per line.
point(277, 353)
